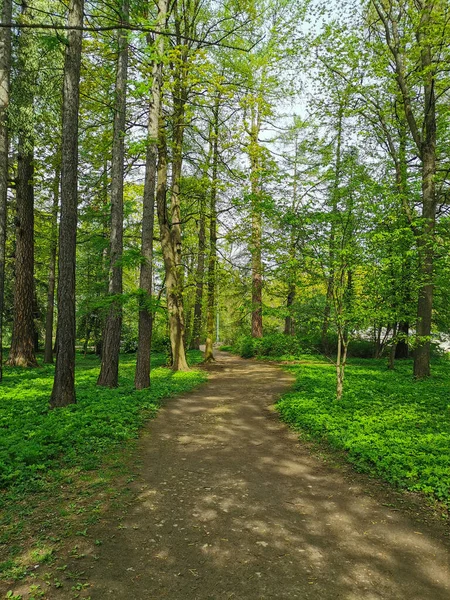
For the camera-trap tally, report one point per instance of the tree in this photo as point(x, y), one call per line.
point(212, 259)
point(5, 69)
point(63, 392)
point(142, 376)
point(48, 347)
point(21, 353)
point(109, 372)
point(425, 25)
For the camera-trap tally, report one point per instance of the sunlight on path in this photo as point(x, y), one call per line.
point(229, 506)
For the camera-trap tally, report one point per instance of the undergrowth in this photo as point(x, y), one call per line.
point(389, 425)
point(37, 443)
point(61, 469)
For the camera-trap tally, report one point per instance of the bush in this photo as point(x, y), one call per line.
point(272, 345)
point(161, 343)
point(247, 348)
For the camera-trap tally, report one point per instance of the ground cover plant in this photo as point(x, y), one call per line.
point(38, 443)
point(388, 424)
point(59, 468)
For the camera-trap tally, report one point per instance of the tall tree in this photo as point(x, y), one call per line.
point(109, 371)
point(142, 375)
point(416, 66)
point(170, 257)
point(48, 346)
point(212, 258)
point(22, 347)
point(200, 275)
point(63, 392)
point(5, 70)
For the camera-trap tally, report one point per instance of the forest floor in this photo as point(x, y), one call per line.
point(225, 503)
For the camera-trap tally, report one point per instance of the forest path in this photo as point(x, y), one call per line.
point(229, 505)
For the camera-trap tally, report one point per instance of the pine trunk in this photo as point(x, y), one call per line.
point(63, 392)
point(22, 347)
point(22, 352)
point(109, 370)
point(5, 70)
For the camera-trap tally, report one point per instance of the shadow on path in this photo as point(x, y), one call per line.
point(230, 506)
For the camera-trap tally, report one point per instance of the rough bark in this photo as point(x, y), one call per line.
point(48, 346)
point(63, 392)
point(142, 375)
point(109, 370)
point(169, 251)
point(212, 259)
point(5, 71)
point(22, 351)
point(22, 346)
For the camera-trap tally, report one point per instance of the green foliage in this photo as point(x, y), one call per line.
point(281, 346)
point(390, 425)
point(38, 444)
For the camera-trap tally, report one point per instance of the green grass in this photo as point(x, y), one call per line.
point(38, 444)
point(389, 424)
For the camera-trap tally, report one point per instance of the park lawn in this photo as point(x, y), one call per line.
point(59, 469)
point(388, 424)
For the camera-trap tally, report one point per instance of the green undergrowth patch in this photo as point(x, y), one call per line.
point(37, 442)
point(388, 424)
point(61, 469)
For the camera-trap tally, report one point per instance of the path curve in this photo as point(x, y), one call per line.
point(230, 506)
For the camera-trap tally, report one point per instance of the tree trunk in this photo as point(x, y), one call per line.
point(334, 216)
point(142, 375)
point(426, 240)
point(109, 370)
point(63, 392)
point(200, 275)
point(289, 322)
point(393, 349)
point(402, 350)
point(212, 260)
point(292, 270)
point(22, 353)
point(48, 347)
point(22, 347)
point(173, 285)
point(424, 136)
point(256, 235)
point(341, 362)
point(5, 70)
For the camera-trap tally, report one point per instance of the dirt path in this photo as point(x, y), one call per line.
point(230, 506)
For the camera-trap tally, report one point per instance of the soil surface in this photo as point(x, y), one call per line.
point(229, 505)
